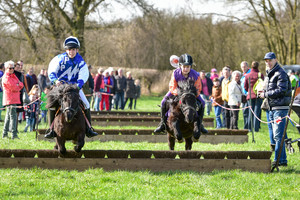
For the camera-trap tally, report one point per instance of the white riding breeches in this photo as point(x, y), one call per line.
point(84, 99)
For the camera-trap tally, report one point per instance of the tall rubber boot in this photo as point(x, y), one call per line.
point(51, 133)
point(201, 114)
point(89, 130)
point(163, 123)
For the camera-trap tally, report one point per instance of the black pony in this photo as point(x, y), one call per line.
point(183, 121)
point(69, 122)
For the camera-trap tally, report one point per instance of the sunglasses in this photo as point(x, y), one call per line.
point(11, 68)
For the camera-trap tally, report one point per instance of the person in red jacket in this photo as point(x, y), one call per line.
point(12, 87)
point(256, 102)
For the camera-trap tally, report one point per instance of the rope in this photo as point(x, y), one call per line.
point(23, 105)
point(278, 120)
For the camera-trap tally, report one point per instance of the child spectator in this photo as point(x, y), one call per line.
point(32, 109)
point(43, 104)
point(137, 84)
point(217, 96)
point(107, 88)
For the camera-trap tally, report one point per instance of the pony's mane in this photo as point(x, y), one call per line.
point(186, 86)
point(56, 93)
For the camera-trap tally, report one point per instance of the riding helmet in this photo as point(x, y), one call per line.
point(71, 42)
point(185, 59)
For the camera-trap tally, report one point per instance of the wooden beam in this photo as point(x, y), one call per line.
point(156, 165)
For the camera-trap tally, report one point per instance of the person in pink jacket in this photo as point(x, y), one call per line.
point(11, 97)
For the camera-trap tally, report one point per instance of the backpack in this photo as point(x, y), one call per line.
point(259, 84)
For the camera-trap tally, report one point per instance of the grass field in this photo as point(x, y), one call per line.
point(97, 184)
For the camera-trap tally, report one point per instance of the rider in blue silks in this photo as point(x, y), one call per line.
point(183, 72)
point(70, 67)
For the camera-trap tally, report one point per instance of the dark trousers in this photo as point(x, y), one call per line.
point(130, 103)
point(256, 107)
point(234, 117)
point(227, 115)
point(246, 115)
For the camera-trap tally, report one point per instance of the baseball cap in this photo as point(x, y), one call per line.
point(270, 55)
point(213, 70)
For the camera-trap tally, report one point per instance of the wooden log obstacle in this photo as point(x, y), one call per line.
point(137, 160)
point(215, 136)
point(130, 120)
point(124, 113)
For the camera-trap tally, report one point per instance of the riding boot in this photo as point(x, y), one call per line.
point(89, 130)
point(200, 115)
point(162, 124)
point(51, 133)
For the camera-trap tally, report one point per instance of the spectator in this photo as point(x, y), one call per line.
point(120, 89)
point(225, 96)
point(206, 90)
point(22, 77)
point(245, 70)
point(29, 79)
point(43, 108)
point(255, 100)
point(1, 91)
point(130, 90)
point(217, 96)
point(213, 74)
point(293, 78)
point(98, 88)
point(105, 95)
point(278, 94)
point(11, 97)
point(235, 98)
point(48, 82)
point(32, 109)
point(137, 91)
point(113, 89)
point(42, 80)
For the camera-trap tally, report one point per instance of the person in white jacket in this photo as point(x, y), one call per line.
point(235, 98)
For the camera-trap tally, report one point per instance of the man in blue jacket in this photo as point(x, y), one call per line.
point(278, 94)
point(70, 67)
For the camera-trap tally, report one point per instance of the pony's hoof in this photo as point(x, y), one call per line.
point(180, 141)
point(195, 140)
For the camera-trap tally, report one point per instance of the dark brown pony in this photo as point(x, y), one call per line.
point(183, 120)
point(69, 122)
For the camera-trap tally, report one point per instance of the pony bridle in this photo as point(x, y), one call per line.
point(70, 108)
point(184, 108)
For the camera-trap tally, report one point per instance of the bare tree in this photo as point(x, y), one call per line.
point(75, 11)
point(21, 14)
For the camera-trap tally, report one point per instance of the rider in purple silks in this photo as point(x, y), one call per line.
point(183, 72)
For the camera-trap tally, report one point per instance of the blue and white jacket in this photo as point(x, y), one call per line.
point(63, 68)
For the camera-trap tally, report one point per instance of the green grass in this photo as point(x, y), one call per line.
point(97, 184)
